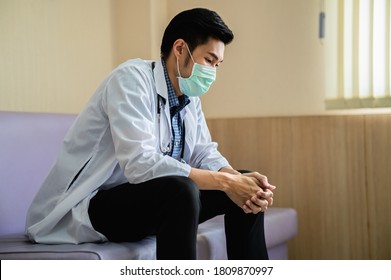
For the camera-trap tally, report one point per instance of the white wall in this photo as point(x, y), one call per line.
point(54, 53)
point(275, 66)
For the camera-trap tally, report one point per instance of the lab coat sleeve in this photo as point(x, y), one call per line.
point(205, 154)
point(130, 106)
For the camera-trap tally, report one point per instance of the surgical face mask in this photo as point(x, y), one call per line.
point(200, 80)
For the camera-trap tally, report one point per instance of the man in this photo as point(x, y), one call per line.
point(139, 160)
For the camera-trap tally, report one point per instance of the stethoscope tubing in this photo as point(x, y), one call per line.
point(166, 150)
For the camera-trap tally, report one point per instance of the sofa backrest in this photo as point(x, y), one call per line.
point(29, 143)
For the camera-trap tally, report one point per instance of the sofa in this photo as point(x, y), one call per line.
point(29, 143)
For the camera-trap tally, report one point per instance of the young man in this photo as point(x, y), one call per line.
point(139, 160)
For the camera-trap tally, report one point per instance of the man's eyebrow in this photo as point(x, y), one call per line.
point(215, 56)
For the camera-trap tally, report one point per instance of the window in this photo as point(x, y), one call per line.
point(362, 39)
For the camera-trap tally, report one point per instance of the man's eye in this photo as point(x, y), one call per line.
point(212, 62)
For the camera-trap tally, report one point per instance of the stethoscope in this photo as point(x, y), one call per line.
point(160, 105)
point(163, 148)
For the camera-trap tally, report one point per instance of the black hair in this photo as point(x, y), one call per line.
point(195, 27)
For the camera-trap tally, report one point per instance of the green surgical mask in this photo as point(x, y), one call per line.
point(200, 80)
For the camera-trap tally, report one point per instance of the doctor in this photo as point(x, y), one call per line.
point(139, 159)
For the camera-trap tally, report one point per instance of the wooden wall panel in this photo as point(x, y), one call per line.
point(328, 189)
point(318, 165)
point(378, 151)
point(259, 144)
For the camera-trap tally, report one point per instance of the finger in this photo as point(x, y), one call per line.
point(266, 194)
point(264, 182)
point(246, 209)
point(251, 208)
point(263, 203)
point(257, 205)
point(262, 179)
point(271, 187)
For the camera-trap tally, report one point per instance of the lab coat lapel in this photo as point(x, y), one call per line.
point(161, 88)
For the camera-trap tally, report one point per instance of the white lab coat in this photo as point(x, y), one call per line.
point(116, 139)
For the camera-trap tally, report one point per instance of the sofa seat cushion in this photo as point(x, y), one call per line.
point(280, 226)
point(17, 246)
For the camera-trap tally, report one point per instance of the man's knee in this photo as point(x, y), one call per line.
point(187, 190)
point(187, 186)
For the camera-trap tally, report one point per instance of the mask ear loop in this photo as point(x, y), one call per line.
point(177, 61)
point(189, 52)
point(177, 66)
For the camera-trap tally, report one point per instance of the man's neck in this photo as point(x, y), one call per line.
point(172, 72)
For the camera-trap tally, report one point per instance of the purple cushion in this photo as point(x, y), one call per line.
point(29, 143)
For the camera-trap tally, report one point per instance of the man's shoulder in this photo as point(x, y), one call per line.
point(136, 64)
point(136, 68)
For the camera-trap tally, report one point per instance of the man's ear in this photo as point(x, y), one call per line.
point(178, 47)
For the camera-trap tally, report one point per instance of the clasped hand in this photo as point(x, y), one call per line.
point(252, 192)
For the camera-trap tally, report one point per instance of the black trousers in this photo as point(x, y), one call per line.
point(171, 208)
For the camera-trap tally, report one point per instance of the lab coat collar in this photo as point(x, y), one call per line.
point(160, 80)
